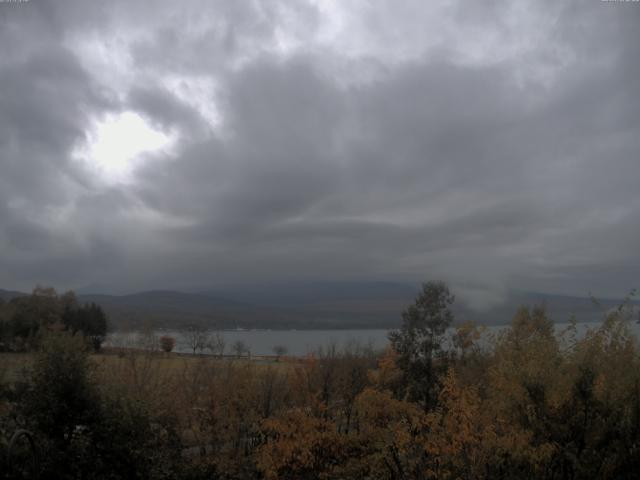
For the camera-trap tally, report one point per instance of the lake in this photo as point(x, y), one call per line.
point(301, 342)
point(261, 342)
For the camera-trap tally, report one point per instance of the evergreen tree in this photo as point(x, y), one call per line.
point(418, 343)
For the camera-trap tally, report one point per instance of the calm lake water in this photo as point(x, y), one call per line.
point(299, 342)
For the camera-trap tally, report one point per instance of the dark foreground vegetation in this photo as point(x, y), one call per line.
point(529, 403)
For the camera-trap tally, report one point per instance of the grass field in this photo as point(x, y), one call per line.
point(15, 366)
point(178, 384)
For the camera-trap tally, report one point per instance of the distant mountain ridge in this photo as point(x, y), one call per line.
point(315, 292)
point(9, 294)
point(161, 298)
point(312, 305)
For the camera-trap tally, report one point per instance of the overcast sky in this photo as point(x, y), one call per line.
point(180, 144)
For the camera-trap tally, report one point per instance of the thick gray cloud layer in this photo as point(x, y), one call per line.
point(495, 144)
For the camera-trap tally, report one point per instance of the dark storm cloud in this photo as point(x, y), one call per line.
point(164, 109)
point(494, 147)
point(44, 101)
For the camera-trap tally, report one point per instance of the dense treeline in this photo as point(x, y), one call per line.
point(527, 403)
point(24, 319)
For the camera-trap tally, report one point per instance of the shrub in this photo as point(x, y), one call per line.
point(167, 344)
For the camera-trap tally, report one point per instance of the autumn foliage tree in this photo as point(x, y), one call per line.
point(167, 344)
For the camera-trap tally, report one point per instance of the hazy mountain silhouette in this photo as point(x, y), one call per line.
point(314, 305)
